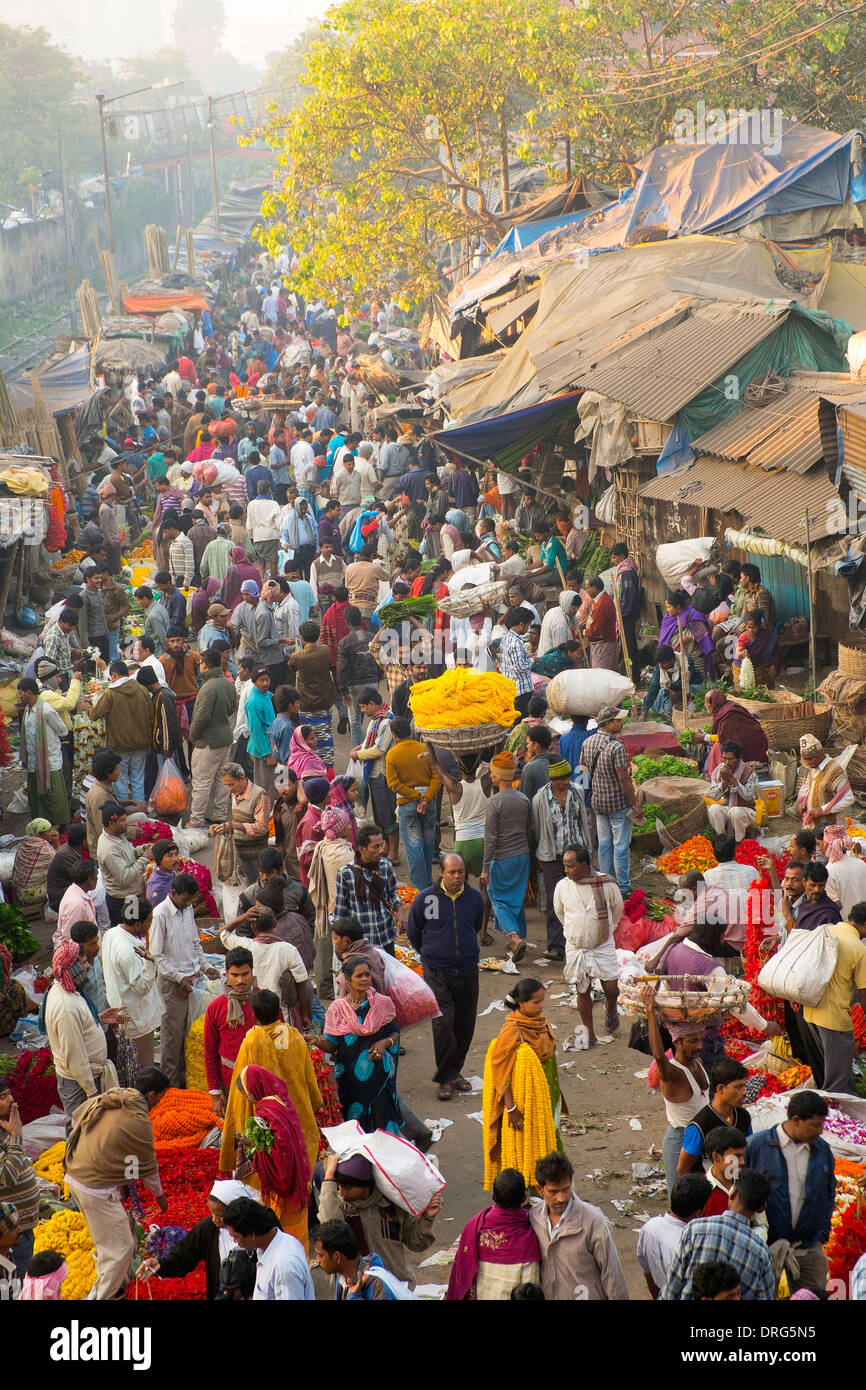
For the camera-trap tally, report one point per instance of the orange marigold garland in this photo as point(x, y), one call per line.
point(182, 1119)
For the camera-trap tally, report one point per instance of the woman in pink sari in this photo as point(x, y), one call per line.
point(239, 570)
point(360, 1033)
point(498, 1248)
point(303, 758)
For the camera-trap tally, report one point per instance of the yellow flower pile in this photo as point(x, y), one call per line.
point(521, 1148)
point(67, 1233)
point(195, 1073)
point(50, 1165)
point(462, 699)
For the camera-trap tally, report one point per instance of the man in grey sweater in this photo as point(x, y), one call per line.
point(210, 734)
point(507, 839)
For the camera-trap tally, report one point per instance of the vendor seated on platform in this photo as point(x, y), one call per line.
point(760, 645)
point(666, 685)
point(550, 549)
point(733, 788)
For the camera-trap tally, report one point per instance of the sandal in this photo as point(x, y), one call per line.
point(612, 1022)
point(445, 1092)
point(518, 952)
point(461, 1084)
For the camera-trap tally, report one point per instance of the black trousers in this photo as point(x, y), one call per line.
point(457, 997)
point(629, 635)
point(553, 873)
point(304, 556)
point(521, 702)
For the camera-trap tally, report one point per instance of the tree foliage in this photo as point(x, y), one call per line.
point(413, 111)
point(37, 84)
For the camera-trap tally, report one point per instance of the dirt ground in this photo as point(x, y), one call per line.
point(615, 1119)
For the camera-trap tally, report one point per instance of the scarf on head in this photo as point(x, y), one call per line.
point(285, 1170)
point(336, 820)
point(517, 1029)
point(65, 957)
point(339, 799)
point(837, 842)
point(236, 999)
point(303, 760)
point(341, 1019)
point(499, 1236)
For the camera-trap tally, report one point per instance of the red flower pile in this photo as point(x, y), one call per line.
point(187, 1177)
point(859, 1022)
point(5, 750)
point(749, 851)
point(331, 1112)
point(205, 903)
point(847, 1241)
point(34, 1085)
point(149, 830)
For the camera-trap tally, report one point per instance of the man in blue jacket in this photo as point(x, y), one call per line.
point(799, 1164)
point(444, 923)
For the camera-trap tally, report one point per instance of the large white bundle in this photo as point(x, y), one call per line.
point(673, 560)
point(469, 574)
point(400, 1170)
point(801, 970)
point(586, 692)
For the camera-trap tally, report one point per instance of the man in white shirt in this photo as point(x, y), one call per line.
point(177, 954)
point(145, 655)
point(270, 309)
point(734, 880)
point(846, 872)
point(272, 958)
point(130, 977)
point(589, 906)
point(345, 486)
point(282, 1269)
point(263, 525)
point(366, 470)
point(660, 1236)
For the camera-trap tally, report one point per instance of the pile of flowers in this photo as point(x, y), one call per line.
point(797, 1075)
point(144, 551)
point(409, 957)
point(749, 851)
point(72, 557)
point(186, 1179)
point(196, 1079)
point(67, 1233)
point(407, 894)
point(696, 853)
point(51, 1165)
point(204, 904)
point(33, 1083)
point(848, 1227)
point(331, 1112)
point(761, 1084)
point(859, 1022)
point(181, 1119)
point(845, 1127)
point(147, 831)
point(857, 832)
point(462, 698)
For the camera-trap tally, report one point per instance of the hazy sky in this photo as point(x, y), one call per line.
point(113, 29)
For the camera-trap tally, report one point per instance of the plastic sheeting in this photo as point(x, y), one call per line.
point(65, 383)
point(153, 304)
point(511, 436)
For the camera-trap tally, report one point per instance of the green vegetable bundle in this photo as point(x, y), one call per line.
point(15, 934)
point(653, 812)
point(643, 768)
point(593, 558)
point(395, 613)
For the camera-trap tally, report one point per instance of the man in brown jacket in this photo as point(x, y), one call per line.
point(579, 1259)
point(128, 713)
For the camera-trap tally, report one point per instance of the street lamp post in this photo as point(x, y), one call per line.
point(214, 192)
point(102, 101)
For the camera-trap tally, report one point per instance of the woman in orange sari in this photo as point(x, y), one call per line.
point(522, 1102)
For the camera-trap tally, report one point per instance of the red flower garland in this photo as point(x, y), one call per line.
point(33, 1086)
point(149, 830)
point(859, 1022)
point(331, 1112)
point(186, 1178)
point(847, 1242)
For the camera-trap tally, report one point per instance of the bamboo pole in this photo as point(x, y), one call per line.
point(684, 674)
point(177, 236)
point(13, 550)
point(625, 656)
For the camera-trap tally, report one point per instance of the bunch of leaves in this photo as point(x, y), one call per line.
point(644, 767)
point(757, 692)
point(15, 934)
point(594, 558)
point(394, 613)
point(721, 684)
point(652, 812)
point(258, 1135)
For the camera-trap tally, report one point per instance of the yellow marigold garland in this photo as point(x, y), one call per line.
point(51, 1166)
point(67, 1233)
point(196, 1079)
point(462, 699)
point(521, 1148)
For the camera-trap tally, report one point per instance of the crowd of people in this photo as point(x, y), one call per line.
point(278, 534)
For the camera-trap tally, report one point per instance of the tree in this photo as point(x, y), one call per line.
point(162, 68)
point(37, 82)
point(413, 112)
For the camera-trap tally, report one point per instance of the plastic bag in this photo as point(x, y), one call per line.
point(586, 692)
point(406, 1176)
point(413, 1000)
point(204, 992)
point(169, 795)
point(800, 971)
point(225, 860)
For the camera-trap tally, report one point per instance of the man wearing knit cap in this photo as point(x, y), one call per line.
point(560, 819)
point(507, 834)
point(826, 793)
point(243, 620)
point(350, 1194)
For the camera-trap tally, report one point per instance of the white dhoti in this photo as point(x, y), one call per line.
point(733, 819)
point(108, 1224)
point(585, 964)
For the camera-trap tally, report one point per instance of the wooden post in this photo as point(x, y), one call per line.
point(625, 656)
point(13, 550)
point(177, 236)
point(812, 663)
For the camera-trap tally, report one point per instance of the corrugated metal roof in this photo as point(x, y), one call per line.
point(777, 503)
point(852, 423)
point(737, 437)
point(663, 371)
point(556, 364)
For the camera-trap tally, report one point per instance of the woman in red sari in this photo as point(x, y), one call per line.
point(733, 721)
point(498, 1248)
point(281, 1164)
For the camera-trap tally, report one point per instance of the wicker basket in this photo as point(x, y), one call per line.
point(852, 660)
point(678, 831)
point(694, 1005)
point(471, 601)
point(784, 734)
point(465, 740)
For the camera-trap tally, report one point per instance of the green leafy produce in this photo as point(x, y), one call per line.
point(15, 934)
point(757, 692)
point(643, 768)
point(593, 558)
point(658, 908)
point(721, 684)
point(394, 613)
point(653, 812)
point(686, 738)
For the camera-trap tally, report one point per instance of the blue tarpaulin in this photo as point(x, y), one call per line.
point(523, 234)
point(506, 438)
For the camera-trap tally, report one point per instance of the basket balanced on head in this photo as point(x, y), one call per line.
point(464, 709)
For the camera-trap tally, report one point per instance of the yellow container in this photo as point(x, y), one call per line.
point(772, 795)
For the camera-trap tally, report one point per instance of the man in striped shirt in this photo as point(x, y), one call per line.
point(514, 659)
point(19, 1184)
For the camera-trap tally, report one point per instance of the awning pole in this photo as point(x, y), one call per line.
point(811, 604)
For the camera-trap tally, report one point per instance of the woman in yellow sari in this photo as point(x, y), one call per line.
point(277, 1048)
point(521, 1101)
